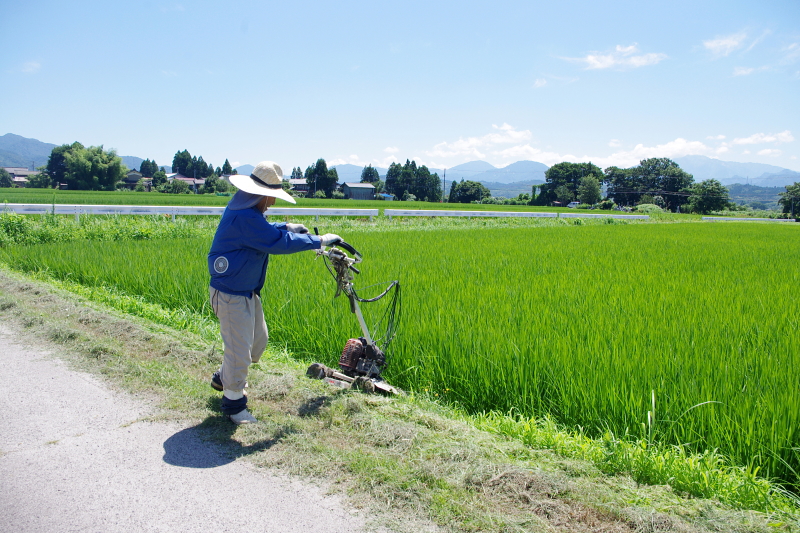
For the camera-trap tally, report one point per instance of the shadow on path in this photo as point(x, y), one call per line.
point(209, 444)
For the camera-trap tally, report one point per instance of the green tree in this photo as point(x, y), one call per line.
point(452, 198)
point(148, 168)
point(92, 169)
point(369, 175)
point(5, 179)
point(589, 190)
point(57, 163)
point(227, 169)
point(139, 186)
point(297, 173)
point(533, 200)
point(159, 178)
point(790, 200)
point(39, 181)
point(621, 185)
point(465, 192)
point(566, 178)
point(654, 177)
point(210, 186)
point(708, 195)
point(175, 187)
point(201, 168)
point(319, 178)
point(416, 180)
point(393, 179)
point(182, 163)
point(564, 194)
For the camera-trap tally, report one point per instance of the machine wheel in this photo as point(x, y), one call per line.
point(318, 371)
point(364, 384)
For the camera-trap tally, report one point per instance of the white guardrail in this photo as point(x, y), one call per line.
point(77, 210)
point(744, 219)
point(524, 214)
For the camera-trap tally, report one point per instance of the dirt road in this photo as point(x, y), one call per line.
point(75, 456)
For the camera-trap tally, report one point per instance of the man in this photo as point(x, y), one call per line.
point(237, 263)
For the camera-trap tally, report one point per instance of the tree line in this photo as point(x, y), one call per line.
point(658, 181)
point(94, 168)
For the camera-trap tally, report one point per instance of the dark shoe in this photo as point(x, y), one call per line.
point(216, 382)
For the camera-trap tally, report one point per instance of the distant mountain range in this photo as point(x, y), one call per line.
point(527, 171)
point(245, 169)
point(729, 172)
point(18, 151)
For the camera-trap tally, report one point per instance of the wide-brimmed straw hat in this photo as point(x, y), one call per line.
point(266, 180)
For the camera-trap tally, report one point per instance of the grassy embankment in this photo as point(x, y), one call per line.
point(409, 461)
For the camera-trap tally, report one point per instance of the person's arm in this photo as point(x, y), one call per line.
point(269, 238)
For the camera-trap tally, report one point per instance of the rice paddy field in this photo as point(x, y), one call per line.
point(684, 334)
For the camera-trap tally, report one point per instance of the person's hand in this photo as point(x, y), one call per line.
point(329, 239)
point(296, 228)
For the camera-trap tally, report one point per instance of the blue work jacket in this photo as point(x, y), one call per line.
point(241, 248)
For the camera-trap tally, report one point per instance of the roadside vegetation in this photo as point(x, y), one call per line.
point(412, 462)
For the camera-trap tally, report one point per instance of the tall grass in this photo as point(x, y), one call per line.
point(586, 324)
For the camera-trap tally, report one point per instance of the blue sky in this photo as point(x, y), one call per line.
point(375, 82)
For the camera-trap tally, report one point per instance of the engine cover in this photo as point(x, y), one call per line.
point(361, 359)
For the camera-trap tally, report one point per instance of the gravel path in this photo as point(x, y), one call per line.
point(74, 457)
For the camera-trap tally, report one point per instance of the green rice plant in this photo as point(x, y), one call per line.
point(585, 324)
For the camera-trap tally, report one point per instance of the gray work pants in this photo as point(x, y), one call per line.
point(244, 334)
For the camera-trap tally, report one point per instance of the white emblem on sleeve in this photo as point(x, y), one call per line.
point(220, 265)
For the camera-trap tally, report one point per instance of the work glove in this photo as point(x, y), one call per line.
point(329, 239)
point(296, 228)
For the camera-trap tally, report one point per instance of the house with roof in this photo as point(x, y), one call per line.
point(20, 175)
point(194, 184)
point(358, 191)
point(131, 179)
point(298, 185)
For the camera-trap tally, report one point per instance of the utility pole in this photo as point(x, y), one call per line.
point(444, 187)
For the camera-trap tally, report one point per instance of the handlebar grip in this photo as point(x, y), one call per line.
point(348, 247)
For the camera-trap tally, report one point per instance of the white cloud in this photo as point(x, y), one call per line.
point(528, 152)
point(614, 143)
point(391, 149)
point(770, 152)
point(744, 71)
point(622, 57)
point(758, 40)
point(357, 161)
point(541, 82)
point(30, 67)
point(715, 137)
point(793, 157)
point(746, 152)
point(760, 138)
point(791, 53)
point(723, 46)
point(471, 146)
point(625, 158)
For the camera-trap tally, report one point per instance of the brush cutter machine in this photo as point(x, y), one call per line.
point(362, 359)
